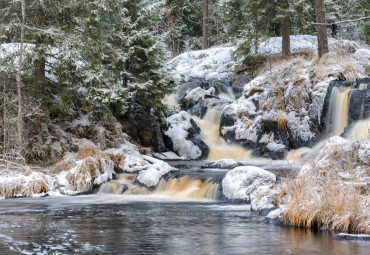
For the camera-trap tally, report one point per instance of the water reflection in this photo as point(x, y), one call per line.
point(118, 226)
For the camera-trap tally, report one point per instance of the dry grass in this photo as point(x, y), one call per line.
point(87, 150)
point(321, 196)
point(63, 165)
point(282, 122)
point(89, 169)
point(18, 185)
point(338, 65)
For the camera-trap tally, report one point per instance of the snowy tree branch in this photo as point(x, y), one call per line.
point(340, 22)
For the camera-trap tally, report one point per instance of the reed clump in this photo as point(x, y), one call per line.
point(328, 193)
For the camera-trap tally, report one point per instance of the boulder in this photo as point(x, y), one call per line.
point(245, 182)
point(223, 164)
point(147, 127)
point(183, 137)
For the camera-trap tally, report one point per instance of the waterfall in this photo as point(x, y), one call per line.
point(186, 187)
point(182, 187)
point(338, 109)
point(360, 131)
point(219, 148)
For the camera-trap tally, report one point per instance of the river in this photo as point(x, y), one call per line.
point(120, 224)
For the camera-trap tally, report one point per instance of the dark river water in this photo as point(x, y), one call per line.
point(116, 224)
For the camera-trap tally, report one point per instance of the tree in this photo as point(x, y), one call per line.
point(322, 39)
point(205, 24)
point(19, 82)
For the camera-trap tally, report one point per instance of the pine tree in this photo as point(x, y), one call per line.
point(322, 40)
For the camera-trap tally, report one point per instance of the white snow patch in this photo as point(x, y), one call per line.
point(177, 131)
point(213, 63)
point(299, 43)
point(245, 182)
point(151, 176)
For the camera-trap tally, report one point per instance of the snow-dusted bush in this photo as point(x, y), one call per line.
point(18, 184)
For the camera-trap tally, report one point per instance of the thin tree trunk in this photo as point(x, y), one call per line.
point(256, 34)
point(205, 25)
point(286, 37)
point(322, 38)
point(5, 130)
point(20, 123)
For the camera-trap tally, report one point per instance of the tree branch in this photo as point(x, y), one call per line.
point(339, 22)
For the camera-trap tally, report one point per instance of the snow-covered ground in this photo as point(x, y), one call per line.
point(217, 62)
point(213, 63)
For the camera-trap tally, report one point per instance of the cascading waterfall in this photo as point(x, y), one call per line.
point(186, 187)
point(338, 109)
point(360, 131)
point(219, 148)
point(182, 187)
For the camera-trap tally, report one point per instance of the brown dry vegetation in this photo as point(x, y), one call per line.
point(21, 187)
point(329, 195)
point(339, 65)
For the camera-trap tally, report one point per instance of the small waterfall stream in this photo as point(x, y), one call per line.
point(219, 148)
point(338, 109)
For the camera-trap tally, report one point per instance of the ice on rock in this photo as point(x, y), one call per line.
point(245, 182)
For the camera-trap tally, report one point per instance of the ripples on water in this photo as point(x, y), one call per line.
point(100, 224)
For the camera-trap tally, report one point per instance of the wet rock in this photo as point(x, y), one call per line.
point(271, 150)
point(237, 84)
point(345, 236)
point(147, 127)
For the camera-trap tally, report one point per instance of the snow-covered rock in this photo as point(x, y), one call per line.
point(223, 164)
point(185, 136)
point(275, 216)
point(87, 173)
point(150, 177)
point(245, 182)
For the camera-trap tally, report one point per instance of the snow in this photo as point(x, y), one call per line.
point(300, 127)
point(82, 121)
point(223, 164)
point(364, 152)
point(151, 176)
point(177, 131)
point(362, 55)
point(245, 182)
point(299, 43)
point(275, 146)
point(213, 63)
point(167, 156)
point(19, 184)
point(276, 214)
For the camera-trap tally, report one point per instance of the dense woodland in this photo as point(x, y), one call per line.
point(68, 56)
